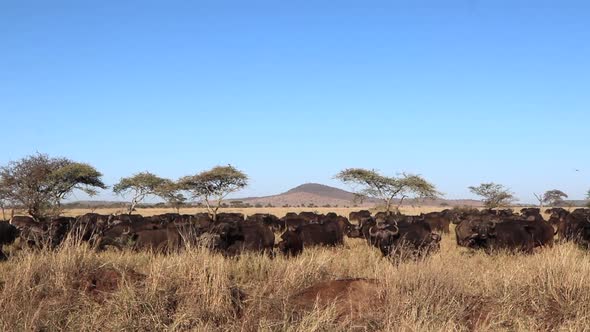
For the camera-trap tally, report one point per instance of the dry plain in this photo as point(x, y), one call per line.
point(77, 289)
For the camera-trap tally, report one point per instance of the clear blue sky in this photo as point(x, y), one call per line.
point(462, 93)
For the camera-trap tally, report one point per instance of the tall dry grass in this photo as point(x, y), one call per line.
point(196, 290)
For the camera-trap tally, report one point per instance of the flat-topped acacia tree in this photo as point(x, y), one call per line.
point(214, 185)
point(551, 198)
point(40, 183)
point(171, 192)
point(494, 195)
point(139, 186)
point(387, 188)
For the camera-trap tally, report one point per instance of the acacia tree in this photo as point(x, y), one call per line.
point(39, 183)
point(214, 185)
point(551, 198)
point(588, 197)
point(171, 192)
point(4, 202)
point(494, 195)
point(374, 185)
point(139, 186)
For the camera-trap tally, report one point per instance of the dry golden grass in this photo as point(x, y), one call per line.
point(196, 290)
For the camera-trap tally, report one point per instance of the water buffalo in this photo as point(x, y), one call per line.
point(508, 235)
point(57, 229)
point(359, 216)
point(257, 237)
point(31, 232)
point(438, 221)
point(343, 226)
point(230, 217)
point(297, 238)
point(542, 230)
point(311, 217)
point(271, 221)
point(8, 234)
point(405, 239)
point(88, 225)
point(576, 227)
point(291, 242)
point(163, 240)
point(291, 221)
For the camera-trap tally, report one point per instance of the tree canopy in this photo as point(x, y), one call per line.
point(141, 185)
point(494, 195)
point(214, 185)
point(372, 184)
point(551, 198)
point(40, 183)
point(171, 192)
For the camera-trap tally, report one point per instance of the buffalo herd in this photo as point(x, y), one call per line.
point(394, 234)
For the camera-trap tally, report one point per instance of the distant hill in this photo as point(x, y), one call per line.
point(321, 190)
point(304, 195)
point(320, 195)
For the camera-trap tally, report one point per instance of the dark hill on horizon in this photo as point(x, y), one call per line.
point(321, 195)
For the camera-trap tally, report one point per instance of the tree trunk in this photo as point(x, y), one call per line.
point(388, 207)
point(132, 206)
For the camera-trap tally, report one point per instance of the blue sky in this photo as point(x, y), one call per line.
point(462, 93)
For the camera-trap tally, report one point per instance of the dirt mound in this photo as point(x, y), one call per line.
point(105, 280)
point(351, 298)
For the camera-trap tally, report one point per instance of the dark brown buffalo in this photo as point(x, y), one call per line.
point(311, 217)
point(291, 221)
point(58, 228)
point(405, 239)
point(466, 232)
point(230, 217)
point(235, 237)
point(291, 242)
point(557, 218)
point(88, 225)
point(166, 218)
point(257, 237)
point(131, 218)
point(163, 240)
point(31, 232)
point(343, 226)
point(576, 227)
point(363, 229)
point(271, 221)
point(385, 215)
point(542, 230)
point(438, 221)
point(328, 234)
point(511, 235)
point(359, 216)
point(8, 234)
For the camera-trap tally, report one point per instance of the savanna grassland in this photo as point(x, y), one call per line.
point(77, 289)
